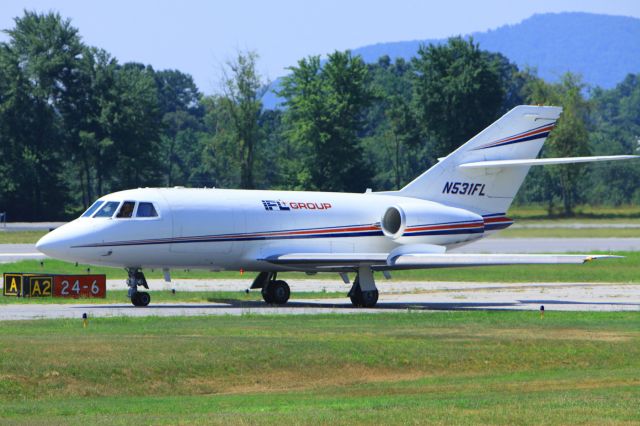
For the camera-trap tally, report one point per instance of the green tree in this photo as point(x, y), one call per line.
point(243, 90)
point(181, 111)
point(391, 135)
point(569, 138)
point(325, 111)
point(38, 71)
point(458, 92)
point(135, 124)
point(615, 129)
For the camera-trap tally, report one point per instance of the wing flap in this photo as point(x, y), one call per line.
point(425, 260)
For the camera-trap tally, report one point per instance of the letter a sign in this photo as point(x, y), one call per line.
point(12, 284)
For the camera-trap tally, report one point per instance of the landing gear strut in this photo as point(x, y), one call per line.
point(274, 291)
point(364, 293)
point(136, 278)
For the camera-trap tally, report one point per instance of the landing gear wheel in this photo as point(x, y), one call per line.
point(276, 292)
point(266, 294)
point(144, 298)
point(369, 298)
point(140, 298)
point(280, 292)
point(356, 298)
point(363, 299)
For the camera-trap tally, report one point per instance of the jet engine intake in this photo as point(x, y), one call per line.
point(426, 222)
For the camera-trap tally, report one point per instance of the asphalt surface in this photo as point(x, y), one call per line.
point(395, 297)
point(16, 252)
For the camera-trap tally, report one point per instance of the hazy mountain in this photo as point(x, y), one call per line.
point(602, 48)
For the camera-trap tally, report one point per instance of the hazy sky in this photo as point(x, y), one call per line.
point(197, 36)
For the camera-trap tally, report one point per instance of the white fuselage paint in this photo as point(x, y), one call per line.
point(220, 229)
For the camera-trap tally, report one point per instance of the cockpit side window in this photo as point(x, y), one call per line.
point(126, 210)
point(146, 210)
point(108, 209)
point(91, 210)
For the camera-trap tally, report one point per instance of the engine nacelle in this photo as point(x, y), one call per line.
point(426, 222)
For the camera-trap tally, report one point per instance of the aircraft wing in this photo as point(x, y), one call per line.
point(382, 261)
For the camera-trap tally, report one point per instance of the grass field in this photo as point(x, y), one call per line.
point(569, 233)
point(458, 367)
point(627, 213)
point(20, 237)
point(625, 270)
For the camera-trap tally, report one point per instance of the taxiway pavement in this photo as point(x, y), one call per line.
point(394, 297)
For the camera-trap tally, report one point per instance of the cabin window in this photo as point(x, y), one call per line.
point(108, 209)
point(126, 210)
point(91, 210)
point(146, 210)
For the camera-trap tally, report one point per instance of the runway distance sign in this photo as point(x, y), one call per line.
point(80, 286)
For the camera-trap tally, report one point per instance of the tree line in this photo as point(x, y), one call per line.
point(76, 124)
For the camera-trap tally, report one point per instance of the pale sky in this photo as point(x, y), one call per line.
point(197, 36)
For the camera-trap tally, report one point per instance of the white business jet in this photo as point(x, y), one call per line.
point(462, 198)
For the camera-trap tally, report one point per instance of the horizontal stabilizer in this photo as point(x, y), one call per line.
point(543, 161)
point(382, 261)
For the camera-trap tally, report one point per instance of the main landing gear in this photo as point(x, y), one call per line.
point(274, 291)
point(363, 292)
point(136, 278)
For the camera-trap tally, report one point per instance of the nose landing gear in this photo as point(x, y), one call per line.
point(136, 278)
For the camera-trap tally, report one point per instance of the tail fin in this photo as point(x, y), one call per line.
point(517, 135)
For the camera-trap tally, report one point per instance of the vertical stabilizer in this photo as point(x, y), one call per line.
point(519, 134)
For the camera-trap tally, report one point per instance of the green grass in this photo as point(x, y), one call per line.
point(458, 367)
point(625, 270)
point(20, 237)
point(569, 233)
point(533, 212)
point(165, 296)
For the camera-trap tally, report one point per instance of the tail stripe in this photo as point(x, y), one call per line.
point(537, 133)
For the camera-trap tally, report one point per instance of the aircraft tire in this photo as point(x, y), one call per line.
point(143, 298)
point(369, 298)
point(364, 299)
point(280, 292)
point(267, 295)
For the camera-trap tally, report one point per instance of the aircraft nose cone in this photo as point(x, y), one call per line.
point(51, 245)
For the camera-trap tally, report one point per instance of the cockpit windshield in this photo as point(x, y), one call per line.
point(108, 209)
point(91, 210)
point(126, 210)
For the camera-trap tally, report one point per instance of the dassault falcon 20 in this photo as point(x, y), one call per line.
point(462, 198)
